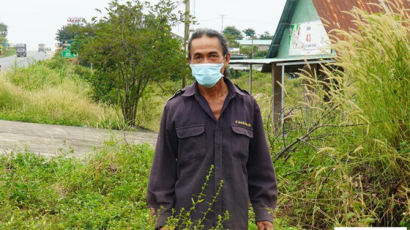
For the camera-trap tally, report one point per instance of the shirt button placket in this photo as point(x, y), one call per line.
point(218, 168)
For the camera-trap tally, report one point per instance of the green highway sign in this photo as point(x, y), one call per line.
point(66, 53)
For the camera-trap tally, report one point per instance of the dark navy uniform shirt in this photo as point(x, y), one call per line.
point(190, 140)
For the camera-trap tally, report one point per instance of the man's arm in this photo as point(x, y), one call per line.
point(261, 175)
point(161, 186)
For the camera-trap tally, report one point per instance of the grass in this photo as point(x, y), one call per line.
point(52, 92)
point(55, 92)
point(353, 169)
point(262, 90)
point(105, 191)
point(9, 52)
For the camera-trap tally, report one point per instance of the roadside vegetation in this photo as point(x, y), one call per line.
point(341, 158)
point(53, 92)
point(105, 191)
point(128, 50)
point(4, 51)
point(9, 52)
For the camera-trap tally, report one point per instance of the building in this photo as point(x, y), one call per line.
point(303, 37)
point(261, 44)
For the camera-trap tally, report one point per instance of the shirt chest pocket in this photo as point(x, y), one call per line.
point(240, 141)
point(191, 142)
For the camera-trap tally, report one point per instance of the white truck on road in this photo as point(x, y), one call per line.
point(42, 47)
point(21, 50)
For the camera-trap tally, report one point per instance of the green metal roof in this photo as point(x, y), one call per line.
point(278, 60)
point(294, 12)
point(254, 42)
point(284, 22)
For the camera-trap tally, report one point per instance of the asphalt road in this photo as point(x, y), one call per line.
point(8, 62)
point(51, 140)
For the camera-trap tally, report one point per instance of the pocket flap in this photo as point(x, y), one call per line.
point(242, 131)
point(190, 131)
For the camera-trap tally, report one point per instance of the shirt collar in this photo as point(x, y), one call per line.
point(190, 90)
point(193, 89)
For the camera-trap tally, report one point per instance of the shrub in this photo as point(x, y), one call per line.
point(346, 158)
point(107, 191)
point(53, 92)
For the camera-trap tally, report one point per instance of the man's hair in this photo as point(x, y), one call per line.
point(211, 34)
point(199, 33)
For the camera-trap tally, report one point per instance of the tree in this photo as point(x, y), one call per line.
point(232, 32)
point(250, 33)
point(3, 29)
point(68, 32)
point(3, 33)
point(266, 36)
point(131, 47)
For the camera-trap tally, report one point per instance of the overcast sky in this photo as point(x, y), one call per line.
point(37, 21)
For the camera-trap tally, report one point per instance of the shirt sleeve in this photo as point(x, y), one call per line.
point(261, 175)
point(161, 185)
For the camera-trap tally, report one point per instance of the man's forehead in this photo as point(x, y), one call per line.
point(206, 42)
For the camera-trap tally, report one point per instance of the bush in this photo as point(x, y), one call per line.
point(346, 159)
point(107, 191)
point(53, 92)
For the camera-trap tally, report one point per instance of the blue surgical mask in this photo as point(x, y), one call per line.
point(207, 74)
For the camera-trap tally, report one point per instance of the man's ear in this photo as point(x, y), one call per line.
point(227, 58)
point(188, 60)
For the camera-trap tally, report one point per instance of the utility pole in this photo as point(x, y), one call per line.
point(186, 34)
point(251, 70)
point(194, 7)
point(222, 22)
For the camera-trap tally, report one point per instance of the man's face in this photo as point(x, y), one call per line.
point(207, 50)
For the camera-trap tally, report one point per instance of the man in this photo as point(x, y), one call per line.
point(212, 123)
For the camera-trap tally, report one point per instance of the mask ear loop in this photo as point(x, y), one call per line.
point(224, 60)
point(224, 65)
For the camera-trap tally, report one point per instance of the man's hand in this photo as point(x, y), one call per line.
point(264, 225)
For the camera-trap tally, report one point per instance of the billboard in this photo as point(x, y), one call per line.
point(75, 20)
point(308, 38)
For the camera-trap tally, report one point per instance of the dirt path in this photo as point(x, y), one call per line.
point(50, 140)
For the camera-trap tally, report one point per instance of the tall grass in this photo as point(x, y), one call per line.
point(105, 191)
point(53, 92)
point(353, 168)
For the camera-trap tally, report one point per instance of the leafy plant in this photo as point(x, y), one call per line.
point(131, 47)
point(54, 92)
point(182, 219)
point(342, 156)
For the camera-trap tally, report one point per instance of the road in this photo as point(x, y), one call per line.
point(51, 140)
point(8, 62)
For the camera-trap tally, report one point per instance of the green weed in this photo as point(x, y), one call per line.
point(53, 92)
point(104, 191)
point(343, 156)
point(107, 191)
